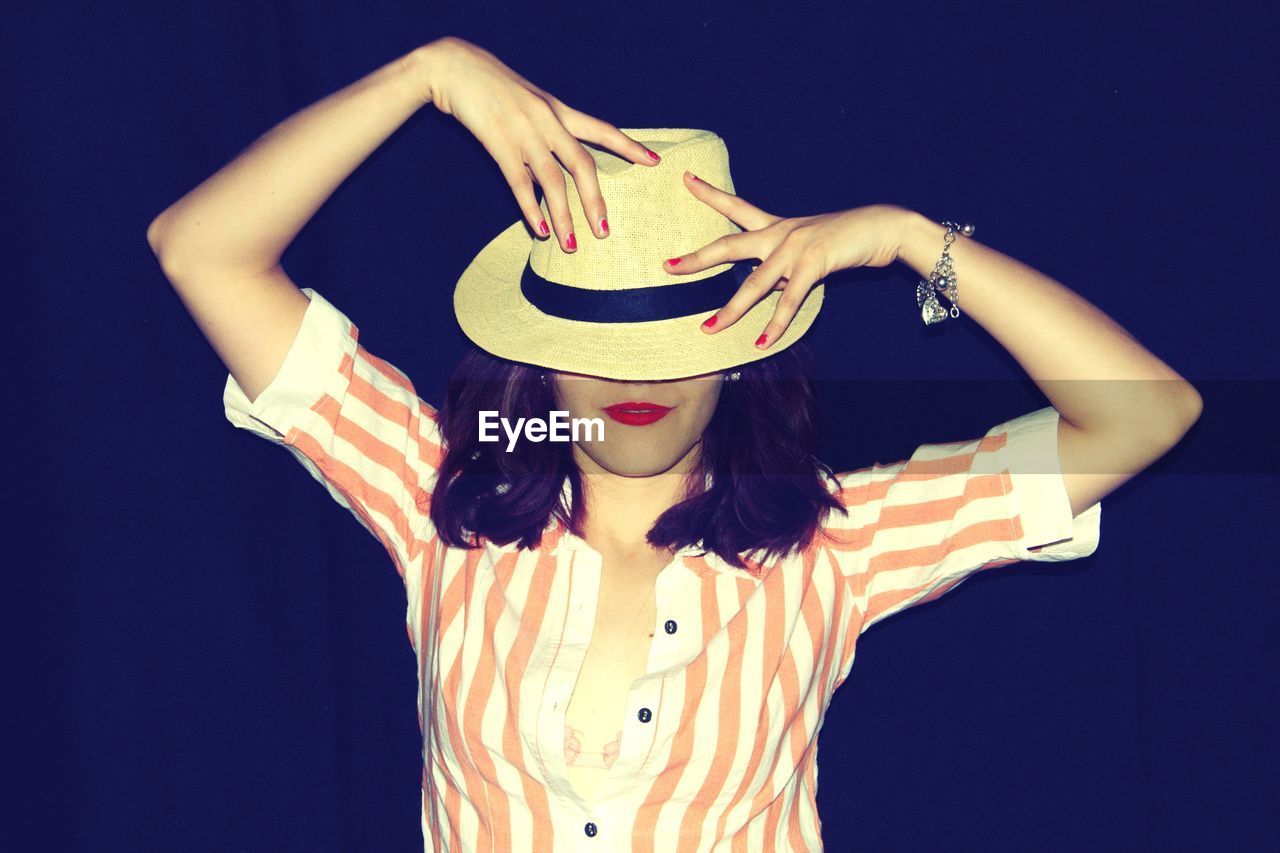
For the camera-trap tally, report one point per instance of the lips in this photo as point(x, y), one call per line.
point(636, 413)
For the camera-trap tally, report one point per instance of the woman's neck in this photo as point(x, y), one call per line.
point(620, 510)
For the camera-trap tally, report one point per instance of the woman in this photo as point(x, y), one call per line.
point(630, 642)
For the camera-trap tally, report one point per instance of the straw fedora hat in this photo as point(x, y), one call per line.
point(610, 309)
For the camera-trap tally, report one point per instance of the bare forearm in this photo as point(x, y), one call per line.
point(243, 217)
point(1055, 334)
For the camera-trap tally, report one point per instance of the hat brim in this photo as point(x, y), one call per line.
point(494, 314)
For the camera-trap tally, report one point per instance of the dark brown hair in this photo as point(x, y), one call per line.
point(767, 494)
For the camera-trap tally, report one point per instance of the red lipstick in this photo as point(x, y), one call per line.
point(636, 414)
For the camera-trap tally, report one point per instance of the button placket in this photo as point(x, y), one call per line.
point(670, 582)
point(661, 653)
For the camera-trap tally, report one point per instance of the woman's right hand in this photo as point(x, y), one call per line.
point(522, 126)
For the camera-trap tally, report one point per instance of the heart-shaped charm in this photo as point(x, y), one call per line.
point(933, 313)
point(930, 310)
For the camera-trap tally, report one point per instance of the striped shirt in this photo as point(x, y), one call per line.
point(719, 743)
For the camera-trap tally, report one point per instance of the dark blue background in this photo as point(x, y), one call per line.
point(208, 653)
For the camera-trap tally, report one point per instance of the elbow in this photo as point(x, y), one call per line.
point(1182, 415)
point(1195, 404)
point(157, 238)
point(155, 234)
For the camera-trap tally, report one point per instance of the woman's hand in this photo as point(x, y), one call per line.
point(522, 126)
point(796, 253)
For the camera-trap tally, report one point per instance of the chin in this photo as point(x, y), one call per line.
point(637, 465)
point(635, 469)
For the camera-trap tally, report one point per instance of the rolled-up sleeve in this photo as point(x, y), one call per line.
point(917, 528)
point(356, 424)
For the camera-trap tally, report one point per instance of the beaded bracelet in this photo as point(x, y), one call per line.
point(941, 280)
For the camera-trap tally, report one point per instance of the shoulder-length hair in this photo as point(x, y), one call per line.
point(766, 493)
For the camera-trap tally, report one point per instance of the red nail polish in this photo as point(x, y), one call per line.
point(695, 177)
point(710, 321)
point(673, 261)
point(572, 242)
point(654, 157)
point(542, 226)
point(760, 340)
point(604, 226)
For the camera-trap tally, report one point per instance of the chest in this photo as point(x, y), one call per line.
point(617, 655)
point(526, 644)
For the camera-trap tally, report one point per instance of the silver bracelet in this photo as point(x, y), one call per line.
point(941, 280)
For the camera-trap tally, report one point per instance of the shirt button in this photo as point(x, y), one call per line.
point(590, 829)
point(670, 626)
point(645, 715)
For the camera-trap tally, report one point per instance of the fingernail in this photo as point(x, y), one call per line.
point(572, 242)
point(695, 177)
point(654, 157)
point(760, 340)
point(604, 226)
point(673, 261)
point(710, 321)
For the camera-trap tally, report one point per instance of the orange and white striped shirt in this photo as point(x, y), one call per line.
point(719, 743)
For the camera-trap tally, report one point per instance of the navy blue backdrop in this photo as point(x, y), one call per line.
point(207, 653)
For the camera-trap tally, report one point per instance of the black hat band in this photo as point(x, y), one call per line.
point(636, 304)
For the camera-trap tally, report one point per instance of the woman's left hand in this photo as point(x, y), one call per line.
point(795, 253)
